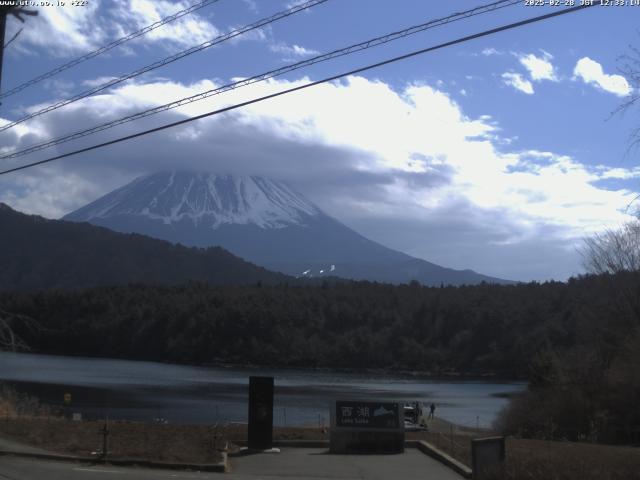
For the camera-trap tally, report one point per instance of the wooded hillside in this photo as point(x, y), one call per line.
point(476, 329)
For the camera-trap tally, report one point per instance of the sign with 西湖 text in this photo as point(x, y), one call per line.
point(367, 414)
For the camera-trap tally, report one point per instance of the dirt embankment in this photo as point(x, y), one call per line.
point(526, 459)
point(162, 442)
point(159, 442)
point(6, 409)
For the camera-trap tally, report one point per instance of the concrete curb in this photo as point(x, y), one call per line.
point(302, 443)
point(292, 443)
point(222, 466)
point(440, 456)
point(48, 456)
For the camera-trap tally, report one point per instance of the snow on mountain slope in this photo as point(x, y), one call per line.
point(260, 220)
point(203, 198)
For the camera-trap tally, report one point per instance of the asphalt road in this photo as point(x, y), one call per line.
point(316, 464)
point(14, 468)
point(298, 463)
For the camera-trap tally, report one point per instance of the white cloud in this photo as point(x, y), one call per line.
point(489, 51)
point(95, 82)
point(62, 30)
point(295, 3)
point(59, 87)
point(252, 5)
point(27, 194)
point(518, 82)
point(292, 51)
point(605, 172)
point(540, 68)
point(591, 72)
point(69, 30)
point(421, 176)
point(188, 30)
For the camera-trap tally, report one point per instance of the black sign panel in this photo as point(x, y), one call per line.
point(368, 415)
point(261, 412)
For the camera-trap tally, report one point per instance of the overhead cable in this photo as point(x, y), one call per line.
point(165, 61)
point(109, 46)
point(374, 42)
point(457, 41)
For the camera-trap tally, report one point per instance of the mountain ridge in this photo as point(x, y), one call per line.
point(263, 221)
point(38, 253)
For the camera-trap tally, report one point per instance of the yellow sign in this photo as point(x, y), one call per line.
point(67, 398)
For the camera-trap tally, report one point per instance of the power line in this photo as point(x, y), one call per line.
point(161, 63)
point(110, 46)
point(374, 42)
point(307, 85)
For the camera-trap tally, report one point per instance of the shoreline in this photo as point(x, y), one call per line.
point(449, 376)
point(150, 390)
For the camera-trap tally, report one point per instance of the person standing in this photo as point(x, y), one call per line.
point(432, 409)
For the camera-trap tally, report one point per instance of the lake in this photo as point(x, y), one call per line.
point(135, 390)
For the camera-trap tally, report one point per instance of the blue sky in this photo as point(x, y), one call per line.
point(498, 155)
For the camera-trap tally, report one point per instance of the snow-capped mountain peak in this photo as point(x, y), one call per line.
point(206, 199)
point(260, 220)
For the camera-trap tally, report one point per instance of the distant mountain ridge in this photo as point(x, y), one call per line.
point(261, 220)
point(37, 253)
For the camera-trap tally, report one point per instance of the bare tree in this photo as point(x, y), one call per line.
point(613, 251)
point(630, 69)
point(9, 339)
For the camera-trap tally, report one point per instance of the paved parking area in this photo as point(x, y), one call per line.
point(16, 468)
point(291, 463)
point(315, 464)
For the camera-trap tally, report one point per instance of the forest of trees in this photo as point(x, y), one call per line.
point(577, 342)
point(481, 329)
point(590, 389)
point(484, 329)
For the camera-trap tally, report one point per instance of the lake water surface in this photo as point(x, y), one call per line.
point(135, 390)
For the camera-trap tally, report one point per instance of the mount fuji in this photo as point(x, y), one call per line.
point(261, 220)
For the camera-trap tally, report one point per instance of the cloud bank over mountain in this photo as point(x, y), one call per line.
point(470, 160)
point(368, 154)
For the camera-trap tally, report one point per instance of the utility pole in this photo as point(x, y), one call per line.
point(17, 12)
point(3, 24)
